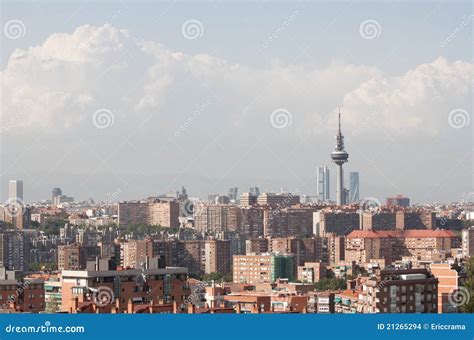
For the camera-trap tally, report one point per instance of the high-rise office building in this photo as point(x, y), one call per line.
point(233, 194)
point(255, 191)
point(345, 196)
point(15, 190)
point(55, 193)
point(323, 183)
point(353, 187)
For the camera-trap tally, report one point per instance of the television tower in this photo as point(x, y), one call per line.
point(339, 156)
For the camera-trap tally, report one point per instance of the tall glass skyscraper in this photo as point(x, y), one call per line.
point(15, 189)
point(323, 183)
point(354, 187)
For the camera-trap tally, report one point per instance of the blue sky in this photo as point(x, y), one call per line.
point(235, 30)
point(197, 112)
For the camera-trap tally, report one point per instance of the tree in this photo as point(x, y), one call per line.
point(214, 276)
point(468, 307)
point(52, 225)
point(330, 284)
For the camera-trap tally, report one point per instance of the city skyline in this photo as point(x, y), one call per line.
point(301, 161)
point(259, 109)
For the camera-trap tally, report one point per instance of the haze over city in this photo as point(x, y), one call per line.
point(146, 98)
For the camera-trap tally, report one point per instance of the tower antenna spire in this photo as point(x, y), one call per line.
point(339, 119)
point(339, 156)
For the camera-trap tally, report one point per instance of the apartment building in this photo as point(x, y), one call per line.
point(136, 252)
point(399, 291)
point(251, 223)
point(217, 256)
point(116, 289)
point(199, 256)
point(321, 302)
point(151, 212)
point(382, 220)
point(311, 272)
point(429, 244)
point(15, 250)
point(363, 246)
point(450, 278)
point(248, 199)
point(398, 201)
point(19, 216)
point(212, 218)
point(346, 302)
point(256, 245)
point(335, 247)
point(278, 200)
point(304, 249)
point(22, 296)
point(415, 220)
point(75, 256)
point(262, 268)
point(288, 222)
point(338, 222)
point(468, 242)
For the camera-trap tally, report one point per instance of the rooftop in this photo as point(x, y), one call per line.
point(399, 233)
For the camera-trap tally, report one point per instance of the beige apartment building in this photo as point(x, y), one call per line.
point(450, 280)
point(153, 212)
point(365, 245)
point(216, 217)
point(135, 253)
point(338, 222)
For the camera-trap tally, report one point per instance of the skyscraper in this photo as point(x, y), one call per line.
point(339, 156)
point(15, 190)
point(255, 191)
point(323, 183)
point(55, 192)
point(233, 194)
point(353, 187)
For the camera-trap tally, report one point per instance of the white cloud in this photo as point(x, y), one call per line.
point(59, 85)
point(417, 102)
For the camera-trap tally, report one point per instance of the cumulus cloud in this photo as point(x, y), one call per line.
point(416, 102)
point(60, 84)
